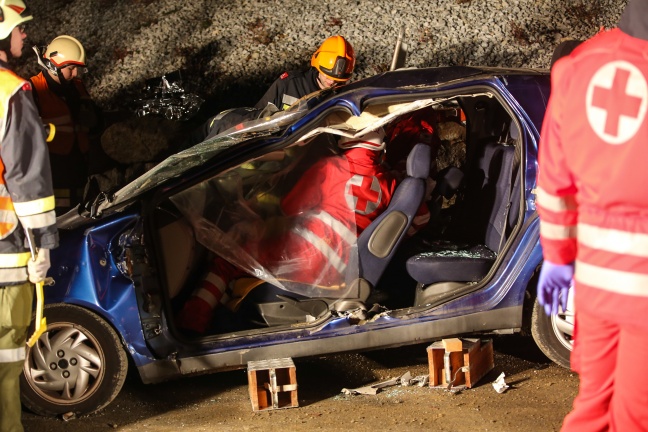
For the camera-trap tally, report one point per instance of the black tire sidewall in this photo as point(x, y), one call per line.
point(115, 363)
point(546, 339)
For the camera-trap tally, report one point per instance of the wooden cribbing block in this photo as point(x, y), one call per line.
point(447, 358)
point(272, 384)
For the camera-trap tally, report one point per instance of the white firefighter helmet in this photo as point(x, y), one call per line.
point(65, 50)
point(12, 14)
point(374, 140)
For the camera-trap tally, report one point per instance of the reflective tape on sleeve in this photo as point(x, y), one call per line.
point(557, 232)
point(34, 207)
point(555, 203)
point(41, 220)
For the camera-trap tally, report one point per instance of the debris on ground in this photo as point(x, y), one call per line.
point(499, 384)
point(404, 380)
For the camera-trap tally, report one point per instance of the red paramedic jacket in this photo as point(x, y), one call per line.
point(593, 172)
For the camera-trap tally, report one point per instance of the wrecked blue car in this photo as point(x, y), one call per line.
point(126, 267)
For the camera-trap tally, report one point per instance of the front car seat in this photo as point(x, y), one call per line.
point(375, 248)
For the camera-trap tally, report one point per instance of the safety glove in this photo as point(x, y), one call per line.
point(37, 268)
point(553, 286)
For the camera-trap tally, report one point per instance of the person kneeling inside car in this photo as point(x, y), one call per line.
point(317, 233)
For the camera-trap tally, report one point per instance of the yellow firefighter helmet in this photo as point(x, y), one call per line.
point(335, 58)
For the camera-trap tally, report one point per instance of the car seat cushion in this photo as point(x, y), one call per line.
point(463, 265)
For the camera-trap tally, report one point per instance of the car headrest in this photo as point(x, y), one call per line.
point(514, 132)
point(448, 181)
point(418, 161)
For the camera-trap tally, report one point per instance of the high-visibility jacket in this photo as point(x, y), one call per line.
point(593, 173)
point(26, 197)
point(74, 116)
point(53, 109)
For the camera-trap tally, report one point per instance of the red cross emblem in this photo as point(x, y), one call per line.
point(363, 194)
point(617, 96)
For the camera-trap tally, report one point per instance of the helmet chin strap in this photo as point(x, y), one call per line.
point(47, 65)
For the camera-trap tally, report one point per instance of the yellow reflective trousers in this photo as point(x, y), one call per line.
point(15, 316)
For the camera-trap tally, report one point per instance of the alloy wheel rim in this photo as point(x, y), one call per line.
point(66, 365)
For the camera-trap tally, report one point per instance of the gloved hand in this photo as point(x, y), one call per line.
point(553, 286)
point(37, 269)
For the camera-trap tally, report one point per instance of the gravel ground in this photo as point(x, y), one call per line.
point(229, 51)
point(539, 397)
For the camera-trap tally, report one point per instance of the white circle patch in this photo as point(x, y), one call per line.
point(617, 97)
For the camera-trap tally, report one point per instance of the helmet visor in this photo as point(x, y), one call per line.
point(341, 70)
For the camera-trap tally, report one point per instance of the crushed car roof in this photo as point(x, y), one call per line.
point(199, 154)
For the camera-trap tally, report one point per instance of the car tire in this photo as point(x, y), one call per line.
point(548, 337)
point(77, 366)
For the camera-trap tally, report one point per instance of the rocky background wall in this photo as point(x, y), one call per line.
point(229, 51)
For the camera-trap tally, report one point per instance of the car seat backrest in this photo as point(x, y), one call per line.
point(498, 198)
point(514, 140)
point(378, 242)
point(180, 251)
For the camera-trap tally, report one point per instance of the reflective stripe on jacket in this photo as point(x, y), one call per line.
point(26, 196)
point(336, 199)
point(592, 173)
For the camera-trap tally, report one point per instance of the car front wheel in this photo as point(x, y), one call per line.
point(554, 334)
point(77, 366)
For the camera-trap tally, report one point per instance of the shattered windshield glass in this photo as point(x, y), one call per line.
point(197, 155)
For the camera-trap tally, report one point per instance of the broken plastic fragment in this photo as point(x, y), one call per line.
point(406, 379)
point(372, 389)
point(499, 384)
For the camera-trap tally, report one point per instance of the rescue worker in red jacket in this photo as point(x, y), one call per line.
point(332, 64)
point(354, 184)
point(594, 219)
point(63, 100)
point(26, 203)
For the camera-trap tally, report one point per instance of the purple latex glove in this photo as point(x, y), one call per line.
point(553, 286)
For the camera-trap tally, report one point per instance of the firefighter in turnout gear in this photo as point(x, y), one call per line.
point(27, 203)
point(353, 185)
point(332, 64)
point(593, 211)
point(63, 100)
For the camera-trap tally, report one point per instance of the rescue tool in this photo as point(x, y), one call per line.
point(40, 324)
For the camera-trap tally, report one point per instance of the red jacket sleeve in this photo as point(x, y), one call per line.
point(556, 192)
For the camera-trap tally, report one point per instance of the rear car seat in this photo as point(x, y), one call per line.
point(488, 217)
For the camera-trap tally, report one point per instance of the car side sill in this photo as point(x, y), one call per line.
point(412, 333)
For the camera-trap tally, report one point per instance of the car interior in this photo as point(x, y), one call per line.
point(459, 154)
